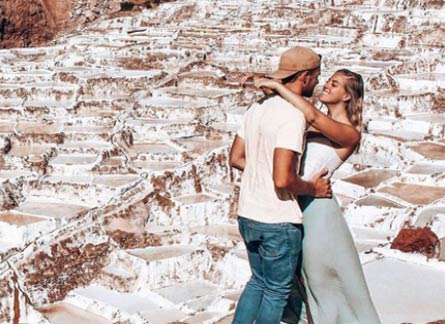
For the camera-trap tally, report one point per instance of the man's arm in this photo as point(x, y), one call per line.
point(285, 176)
point(238, 154)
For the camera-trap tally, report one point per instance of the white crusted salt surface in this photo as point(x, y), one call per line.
point(406, 292)
point(120, 135)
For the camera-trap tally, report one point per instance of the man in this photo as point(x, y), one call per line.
point(268, 148)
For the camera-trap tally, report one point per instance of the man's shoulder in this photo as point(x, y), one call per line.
point(277, 109)
point(285, 108)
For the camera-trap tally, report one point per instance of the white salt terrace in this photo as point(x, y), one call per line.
point(18, 228)
point(64, 313)
point(51, 209)
point(130, 303)
point(119, 139)
point(393, 293)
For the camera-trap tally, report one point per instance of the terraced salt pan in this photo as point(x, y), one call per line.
point(373, 200)
point(226, 320)
point(430, 117)
point(195, 199)
point(167, 265)
point(64, 313)
point(193, 210)
point(414, 193)
point(71, 159)
point(162, 102)
point(164, 316)
point(87, 129)
point(230, 232)
point(380, 218)
point(6, 247)
point(184, 292)
point(149, 155)
point(51, 209)
point(18, 228)
point(407, 101)
point(426, 168)
point(29, 150)
point(379, 152)
point(393, 293)
point(15, 218)
point(204, 93)
point(38, 128)
point(160, 253)
point(156, 166)
point(200, 145)
point(371, 178)
point(202, 318)
point(7, 127)
point(115, 180)
point(401, 135)
point(70, 147)
point(128, 302)
point(433, 151)
point(14, 174)
point(429, 81)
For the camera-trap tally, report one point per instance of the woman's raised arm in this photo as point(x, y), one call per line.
point(341, 133)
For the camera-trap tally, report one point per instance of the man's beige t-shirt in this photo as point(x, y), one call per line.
point(274, 123)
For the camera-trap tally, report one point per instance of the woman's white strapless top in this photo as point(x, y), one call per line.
point(319, 154)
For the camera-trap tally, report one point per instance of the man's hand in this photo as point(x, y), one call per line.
point(321, 185)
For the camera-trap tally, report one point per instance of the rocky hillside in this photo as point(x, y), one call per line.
point(37, 22)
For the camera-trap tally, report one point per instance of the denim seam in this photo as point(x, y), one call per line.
point(289, 247)
point(253, 227)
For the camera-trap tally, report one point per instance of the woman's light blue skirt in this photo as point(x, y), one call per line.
point(336, 289)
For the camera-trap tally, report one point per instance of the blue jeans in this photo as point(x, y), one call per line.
point(273, 251)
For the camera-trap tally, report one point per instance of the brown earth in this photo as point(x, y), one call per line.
point(64, 266)
point(420, 240)
point(37, 22)
point(132, 240)
point(15, 31)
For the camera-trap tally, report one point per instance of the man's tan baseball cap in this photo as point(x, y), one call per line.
point(294, 60)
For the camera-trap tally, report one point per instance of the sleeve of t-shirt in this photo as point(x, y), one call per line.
point(241, 129)
point(290, 134)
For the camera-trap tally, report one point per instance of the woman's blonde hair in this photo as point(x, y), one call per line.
point(355, 88)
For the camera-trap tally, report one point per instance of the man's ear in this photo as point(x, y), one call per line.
point(305, 77)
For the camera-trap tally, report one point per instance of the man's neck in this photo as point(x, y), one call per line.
point(295, 88)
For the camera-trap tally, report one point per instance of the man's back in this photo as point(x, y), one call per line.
point(274, 123)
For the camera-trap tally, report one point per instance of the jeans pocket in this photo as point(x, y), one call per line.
point(274, 244)
point(295, 237)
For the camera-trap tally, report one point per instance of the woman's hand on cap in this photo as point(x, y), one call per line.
point(266, 83)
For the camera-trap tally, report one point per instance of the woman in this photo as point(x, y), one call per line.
point(335, 285)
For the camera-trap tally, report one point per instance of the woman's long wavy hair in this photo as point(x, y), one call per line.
point(355, 88)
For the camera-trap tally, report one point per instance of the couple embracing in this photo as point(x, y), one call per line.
point(286, 168)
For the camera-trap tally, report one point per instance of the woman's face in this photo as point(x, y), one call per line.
point(334, 90)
